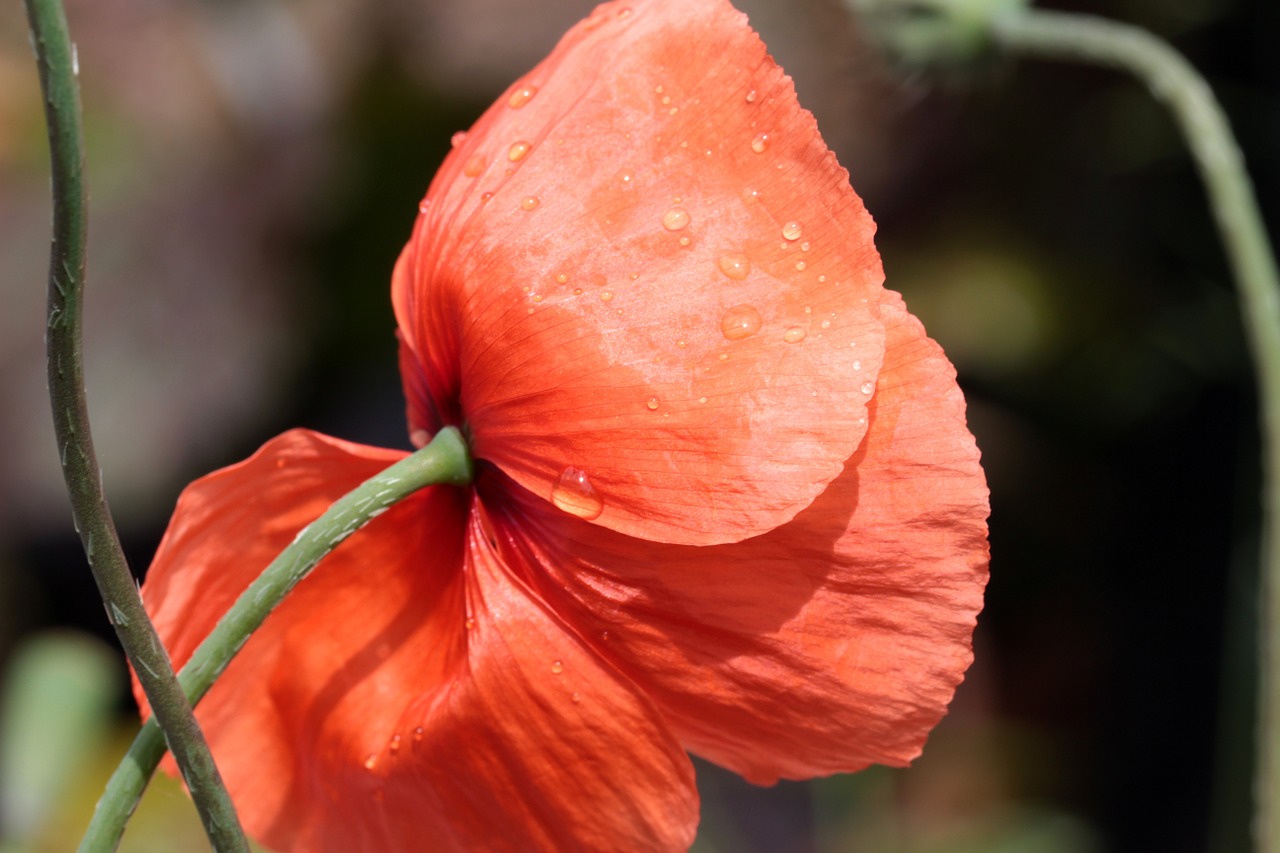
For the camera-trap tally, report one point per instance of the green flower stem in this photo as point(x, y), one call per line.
point(56, 59)
point(1172, 80)
point(445, 461)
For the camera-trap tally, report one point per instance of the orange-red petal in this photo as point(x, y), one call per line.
point(825, 645)
point(409, 694)
point(644, 268)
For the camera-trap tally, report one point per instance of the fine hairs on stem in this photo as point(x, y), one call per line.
point(58, 78)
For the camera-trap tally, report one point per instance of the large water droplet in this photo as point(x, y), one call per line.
point(734, 266)
point(740, 321)
point(761, 143)
point(675, 219)
point(518, 150)
point(791, 230)
point(574, 494)
point(521, 96)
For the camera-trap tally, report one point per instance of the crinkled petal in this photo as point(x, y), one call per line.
point(644, 268)
point(828, 644)
point(408, 695)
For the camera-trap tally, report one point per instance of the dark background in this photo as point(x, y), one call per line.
point(256, 167)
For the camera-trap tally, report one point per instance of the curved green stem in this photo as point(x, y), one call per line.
point(55, 56)
point(1172, 80)
point(949, 30)
point(445, 461)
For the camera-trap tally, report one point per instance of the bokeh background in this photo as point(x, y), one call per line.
point(255, 167)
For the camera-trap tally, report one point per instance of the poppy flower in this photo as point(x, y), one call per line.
point(725, 498)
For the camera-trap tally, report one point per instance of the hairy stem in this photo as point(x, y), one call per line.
point(445, 461)
point(57, 63)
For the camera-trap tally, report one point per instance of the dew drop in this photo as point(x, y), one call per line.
point(518, 150)
point(604, 635)
point(529, 202)
point(458, 138)
point(419, 438)
point(417, 734)
point(394, 746)
point(804, 247)
point(868, 387)
point(521, 96)
point(675, 219)
point(576, 698)
point(652, 403)
point(794, 335)
point(574, 494)
point(702, 399)
point(484, 197)
point(735, 266)
point(470, 623)
point(562, 278)
point(761, 143)
point(800, 265)
point(791, 231)
point(822, 278)
point(857, 365)
point(826, 324)
point(371, 762)
point(424, 205)
point(474, 166)
point(751, 96)
point(577, 291)
point(606, 296)
point(740, 321)
point(557, 667)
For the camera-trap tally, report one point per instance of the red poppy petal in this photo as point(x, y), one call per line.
point(644, 273)
point(828, 644)
point(366, 715)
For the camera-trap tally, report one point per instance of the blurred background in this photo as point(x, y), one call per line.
point(255, 168)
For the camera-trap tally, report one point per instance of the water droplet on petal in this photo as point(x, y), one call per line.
point(557, 667)
point(576, 698)
point(562, 278)
point(791, 231)
point(417, 734)
point(458, 138)
point(751, 96)
point(521, 96)
point(857, 365)
point(800, 265)
point(518, 150)
point(652, 403)
point(804, 247)
point(868, 387)
point(761, 143)
point(740, 321)
point(371, 762)
point(574, 494)
point(394, 746)
point(794, 335)
point(735, 266)
point(484, 197)
point(529, 202)
point(606, 296)
point(470, 623)
point(424, 205)
point(702, 399)
point(419, 438)
point(675, 219)
point(474, 166)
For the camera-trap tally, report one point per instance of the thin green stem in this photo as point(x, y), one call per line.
point(1175, 82)
point(56, 59)
point(445, 461)
point(925, 31)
